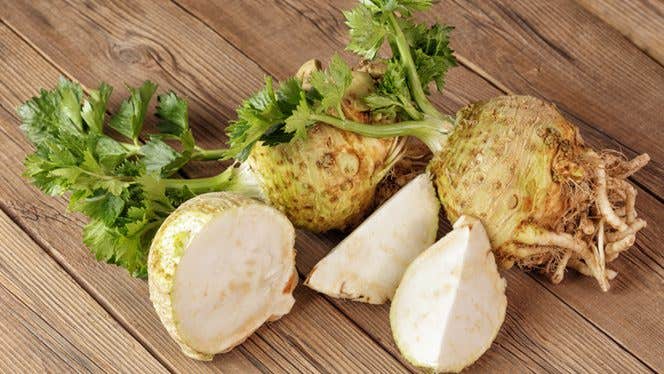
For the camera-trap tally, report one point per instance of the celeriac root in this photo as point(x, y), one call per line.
point(600, 223)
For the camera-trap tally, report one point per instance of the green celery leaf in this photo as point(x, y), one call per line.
point(107, 180)
point(262, 117)
point(109, 152)
point(104, 206)
point(173, 113)
point(332, 83)
point(288, 95)
point(160, 158)
point(431, 51)
point(110, 244)
point(94, 107)
point(128, 121)
point(70, 106)
point(300, 119)
point(367, 34)
point(53, 114)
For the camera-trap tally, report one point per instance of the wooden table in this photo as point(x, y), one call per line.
point(601, 62)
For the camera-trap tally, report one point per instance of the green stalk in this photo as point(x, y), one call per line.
point(411, 110)
point(432, 131)
point(234, 179)
point(199, 185)
point(201, 154)
point(409, 64)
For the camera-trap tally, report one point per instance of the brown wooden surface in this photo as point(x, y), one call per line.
point(628, 17)
point(600, 62)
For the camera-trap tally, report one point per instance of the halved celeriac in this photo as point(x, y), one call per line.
point(219, 267)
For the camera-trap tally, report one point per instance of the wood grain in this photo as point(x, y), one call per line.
point(640, 21)
point(462, 87)
point(105, 280)
point(49, 323)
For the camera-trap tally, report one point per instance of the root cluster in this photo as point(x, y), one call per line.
point(412, 163)
point(600, 222)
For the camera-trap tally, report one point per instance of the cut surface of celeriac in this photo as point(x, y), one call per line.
point(368, 264)
point(219, 267)
point(451, 301)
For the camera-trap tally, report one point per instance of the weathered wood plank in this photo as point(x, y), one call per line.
point(322, 33)
point(374, 356)
point(49, 323)
point(640, 21)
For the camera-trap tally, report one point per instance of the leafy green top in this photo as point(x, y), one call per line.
point(120, 186)
point(420, 55)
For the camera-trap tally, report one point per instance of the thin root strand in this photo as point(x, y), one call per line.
point(599, 222)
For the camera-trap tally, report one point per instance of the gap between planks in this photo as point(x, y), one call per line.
point(539, 280)
point(106, 305)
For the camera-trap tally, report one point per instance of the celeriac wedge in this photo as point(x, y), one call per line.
point(369, 263)
point(219, 267)
point(451, 301)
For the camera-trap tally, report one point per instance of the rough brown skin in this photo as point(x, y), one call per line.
point(518, 165)
point(324, 182)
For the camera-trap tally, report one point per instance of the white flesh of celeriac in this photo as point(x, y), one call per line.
point(369, 263)
point(451, 301)
point(219, 267)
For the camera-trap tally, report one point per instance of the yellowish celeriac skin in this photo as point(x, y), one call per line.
point(326, 181)
point(503, 164)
